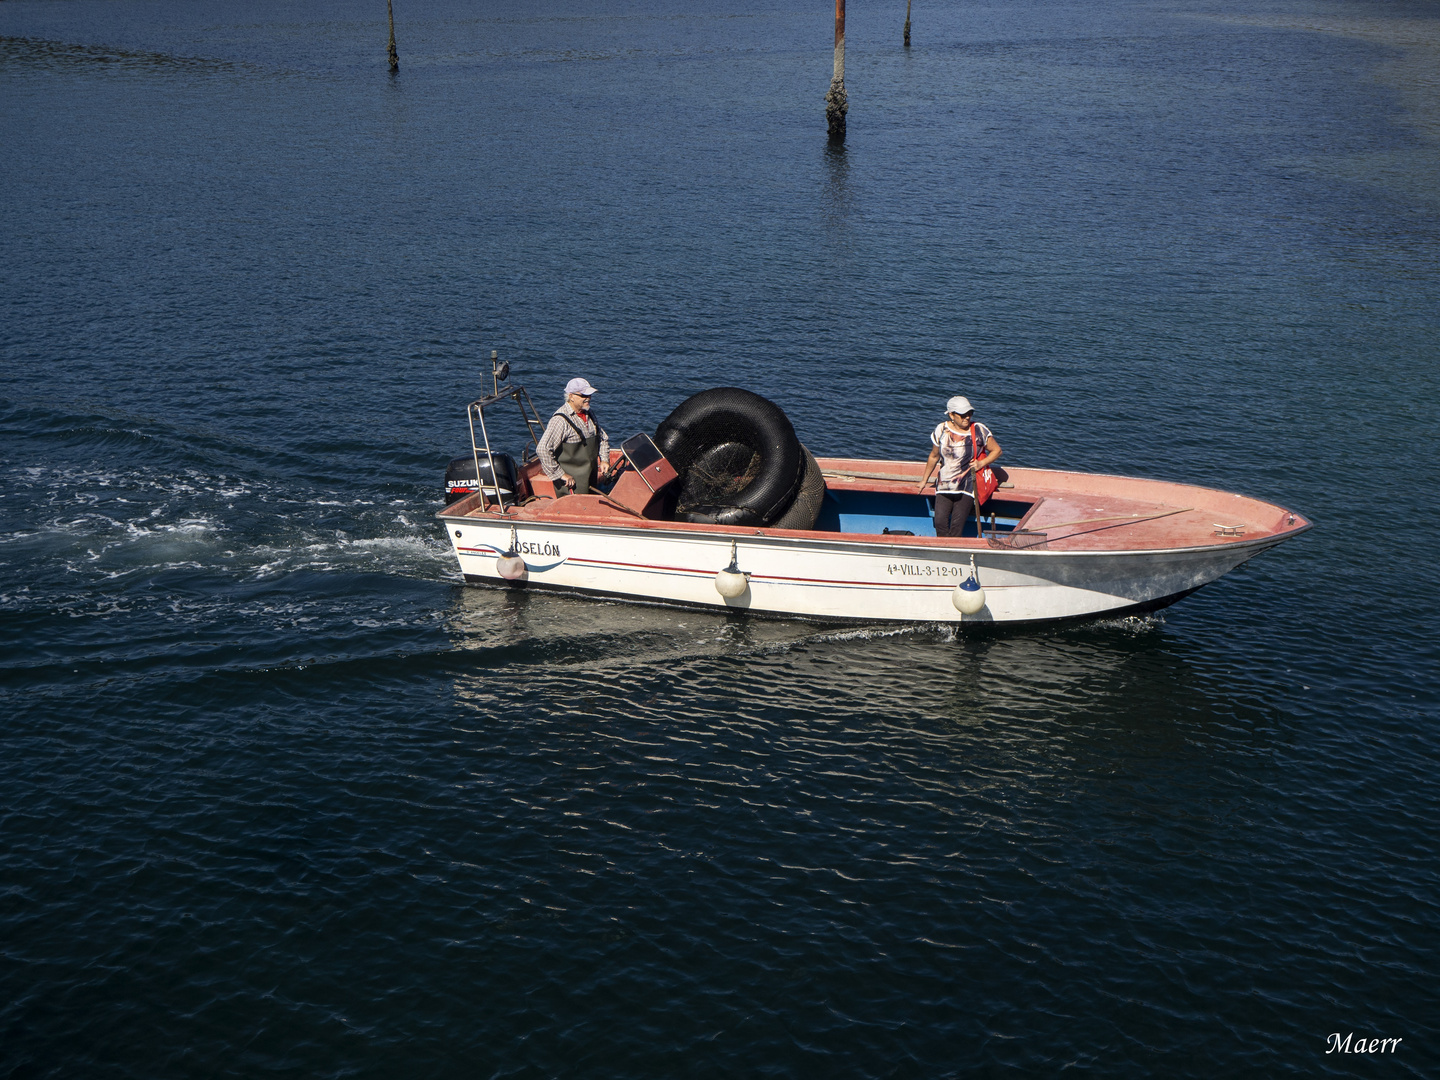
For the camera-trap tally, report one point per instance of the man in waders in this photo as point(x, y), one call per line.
point(574, 451)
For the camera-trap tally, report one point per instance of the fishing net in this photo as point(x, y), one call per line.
point(737, 456)
point(717, 474)
point(805, 509)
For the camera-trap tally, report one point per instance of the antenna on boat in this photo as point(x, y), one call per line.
point(499, 372)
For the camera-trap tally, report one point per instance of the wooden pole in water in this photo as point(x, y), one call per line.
point(836, 105)
point(394, 56)
point(907, 24)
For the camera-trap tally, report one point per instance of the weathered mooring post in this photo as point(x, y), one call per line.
point(907, 24)
point(836, 106)
point(394, 56)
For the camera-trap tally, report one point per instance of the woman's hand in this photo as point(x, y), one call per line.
point(929, 464)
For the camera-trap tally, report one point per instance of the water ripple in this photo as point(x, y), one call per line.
point(282, 796)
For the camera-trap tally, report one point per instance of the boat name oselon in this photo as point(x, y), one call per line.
point(528, 548)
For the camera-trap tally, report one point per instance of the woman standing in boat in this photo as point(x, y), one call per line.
point(955, 443)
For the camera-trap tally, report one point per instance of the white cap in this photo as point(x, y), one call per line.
point(959, 404)
point(579, 386)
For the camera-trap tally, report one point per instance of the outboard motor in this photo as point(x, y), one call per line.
point(460, 478)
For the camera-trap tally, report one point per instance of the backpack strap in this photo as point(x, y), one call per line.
point(975, 441)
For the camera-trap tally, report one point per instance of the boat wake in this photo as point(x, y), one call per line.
point(129, 525)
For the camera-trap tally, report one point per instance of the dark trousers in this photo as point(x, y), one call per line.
point(951, 510)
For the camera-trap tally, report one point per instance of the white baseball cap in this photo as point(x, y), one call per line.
point(959, 405)
point(579, 386)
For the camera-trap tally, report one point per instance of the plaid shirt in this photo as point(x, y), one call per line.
point(561, 429)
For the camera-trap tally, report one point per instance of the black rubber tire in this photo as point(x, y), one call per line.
point(737, 455)
point(804, 509)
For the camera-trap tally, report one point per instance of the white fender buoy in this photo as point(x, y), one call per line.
point(732, 581)
point(510, 565)
point(968, 597)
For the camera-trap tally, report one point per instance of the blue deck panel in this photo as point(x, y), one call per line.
point(873, 512)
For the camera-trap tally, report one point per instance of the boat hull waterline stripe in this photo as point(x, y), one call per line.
point(484, 549)
point(1020, 588)
point(680, 571)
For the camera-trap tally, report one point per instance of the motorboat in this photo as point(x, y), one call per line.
point(1048, 545)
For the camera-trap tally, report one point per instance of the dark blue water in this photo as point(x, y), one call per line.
point(280, 797)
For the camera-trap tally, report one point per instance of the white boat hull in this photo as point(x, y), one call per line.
point(838, 579)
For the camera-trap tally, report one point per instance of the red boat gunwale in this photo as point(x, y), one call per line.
point(1076, 512)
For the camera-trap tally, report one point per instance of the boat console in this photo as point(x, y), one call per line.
point(646, 478)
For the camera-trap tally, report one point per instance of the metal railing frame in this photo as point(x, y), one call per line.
point(521, 397)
